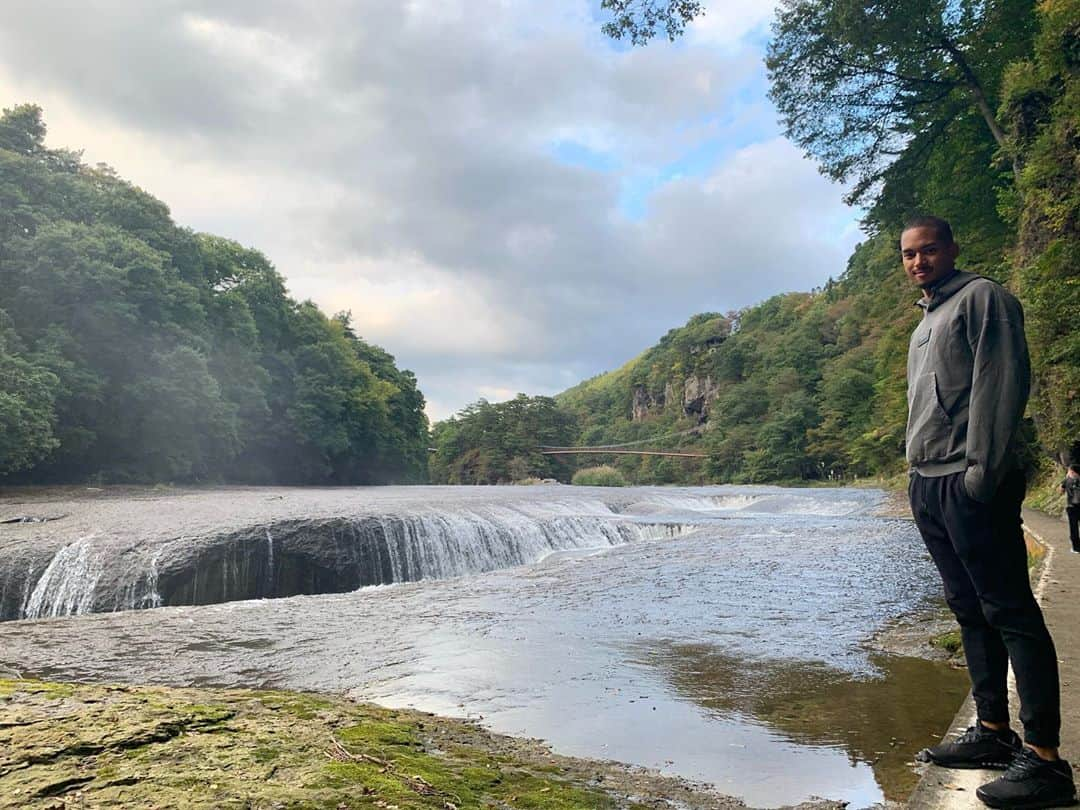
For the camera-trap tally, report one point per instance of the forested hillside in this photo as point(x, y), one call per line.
point(132, 349)
point(970, 112)
point(802, 386)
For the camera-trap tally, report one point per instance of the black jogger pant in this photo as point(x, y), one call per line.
point(1074, 526)
point(979, 550)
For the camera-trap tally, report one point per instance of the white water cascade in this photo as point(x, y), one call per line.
point(68, 582)
point(443, 545)
point(316, 556)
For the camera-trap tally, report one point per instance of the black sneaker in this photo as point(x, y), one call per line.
point(978, 747)
point(1031, 782)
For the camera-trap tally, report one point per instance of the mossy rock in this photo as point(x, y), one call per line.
point(155, 747)
point(950, 642)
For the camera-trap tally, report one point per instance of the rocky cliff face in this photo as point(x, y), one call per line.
point(698, 395)
point(642, 403)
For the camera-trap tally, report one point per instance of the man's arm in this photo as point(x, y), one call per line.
point(1000, 384)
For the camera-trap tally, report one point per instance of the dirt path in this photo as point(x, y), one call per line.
point(1059, 592)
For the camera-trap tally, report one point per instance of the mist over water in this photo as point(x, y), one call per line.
point(723, 639)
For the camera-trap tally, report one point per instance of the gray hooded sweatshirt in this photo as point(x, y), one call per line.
point(968, 377)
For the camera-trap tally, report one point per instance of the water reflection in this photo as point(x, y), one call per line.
point(881, 720)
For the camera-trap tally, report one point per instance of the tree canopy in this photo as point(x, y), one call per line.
point(858, 83)
point(132, 349)
point(639, 20)
point(489, 443)
point(1041, 108)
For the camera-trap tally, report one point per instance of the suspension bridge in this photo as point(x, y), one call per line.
point(621, 449)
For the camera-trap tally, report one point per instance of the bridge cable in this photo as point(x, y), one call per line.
point(650, 440)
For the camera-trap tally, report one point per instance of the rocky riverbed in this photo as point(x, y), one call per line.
point(85, 746)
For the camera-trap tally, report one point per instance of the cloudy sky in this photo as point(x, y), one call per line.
point(504, 199)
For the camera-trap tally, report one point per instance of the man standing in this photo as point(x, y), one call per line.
point(968, 378)
point(1071, 487)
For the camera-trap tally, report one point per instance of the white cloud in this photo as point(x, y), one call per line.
point(727, 22)
point(395, 159)
point(412, 307)
point(274, 56)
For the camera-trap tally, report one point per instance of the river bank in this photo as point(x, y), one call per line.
point(718, 634)
point(85, 746)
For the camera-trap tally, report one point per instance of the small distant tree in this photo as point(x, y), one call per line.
point(488, 443)
point(519, 469)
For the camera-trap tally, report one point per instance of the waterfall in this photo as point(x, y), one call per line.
point(68, 582)
point(139, 588)
point(331, 541)
point(320, 556)
point(269, 562)
point(151, 597)
point(442, 545)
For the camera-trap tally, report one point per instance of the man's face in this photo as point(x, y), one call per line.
point(927, 260)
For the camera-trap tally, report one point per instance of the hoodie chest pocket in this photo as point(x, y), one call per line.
point(943, 362)
point(952, 363)
point(928, 421)
point(926, 398)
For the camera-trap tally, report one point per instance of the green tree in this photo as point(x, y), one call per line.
point(22, 130)
point(639, 20)
point(855, 81)
point(176, 424)
point(134, 350)
point(27, 416)
point(1042, 111)
point(489, 443)
point(846, 394)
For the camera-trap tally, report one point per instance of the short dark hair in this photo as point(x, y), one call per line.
point(1075, 468)
point(941, 227)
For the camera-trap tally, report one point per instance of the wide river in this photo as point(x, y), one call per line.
point(728, 638)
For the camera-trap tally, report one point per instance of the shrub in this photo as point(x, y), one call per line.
point(602, 476)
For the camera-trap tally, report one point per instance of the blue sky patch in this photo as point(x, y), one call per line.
point(573, 153)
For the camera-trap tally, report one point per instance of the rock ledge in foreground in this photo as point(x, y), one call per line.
point(86, 746)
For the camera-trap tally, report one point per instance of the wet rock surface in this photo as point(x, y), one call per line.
point(69, 745)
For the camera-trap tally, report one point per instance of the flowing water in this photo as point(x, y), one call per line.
point(721, 633)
